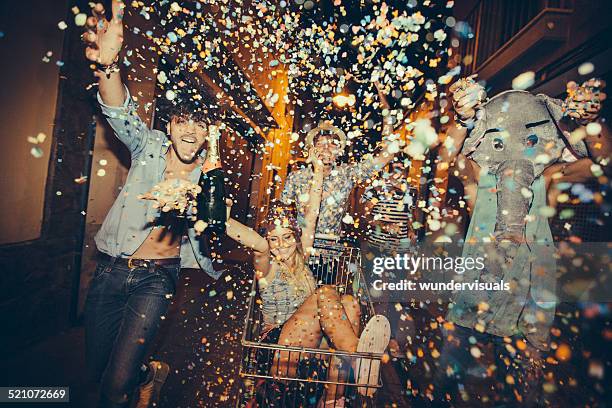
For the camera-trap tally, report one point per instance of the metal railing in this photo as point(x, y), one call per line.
point(494, 23)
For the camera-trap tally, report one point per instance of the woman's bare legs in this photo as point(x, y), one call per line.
point(301, 330)
point(323, 312)
point(339, 368)
point(353, 311)
point(334, 320)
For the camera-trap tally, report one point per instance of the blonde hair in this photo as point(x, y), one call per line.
point(299, 276)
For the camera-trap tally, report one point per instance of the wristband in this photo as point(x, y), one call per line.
point(109, 69)
point(466, 123)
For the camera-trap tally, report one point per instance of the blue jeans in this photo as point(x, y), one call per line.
point(461, 370)
point(122, 315)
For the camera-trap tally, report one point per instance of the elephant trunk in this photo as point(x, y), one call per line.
point(514, 194)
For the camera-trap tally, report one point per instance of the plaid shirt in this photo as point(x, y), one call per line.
point(337, 187)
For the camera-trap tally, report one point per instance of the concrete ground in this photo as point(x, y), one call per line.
point(200, 339)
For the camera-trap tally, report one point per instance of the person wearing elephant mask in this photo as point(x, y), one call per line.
point(515, 148)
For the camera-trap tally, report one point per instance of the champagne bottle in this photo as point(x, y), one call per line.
point(211, 201)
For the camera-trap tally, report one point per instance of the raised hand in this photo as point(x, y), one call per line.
point(315, 159)
point(381, 96)
point(467, 95)
point(583, 103)
point(104, 38)
point(387, 129)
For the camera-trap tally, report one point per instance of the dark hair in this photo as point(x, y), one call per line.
point(183, 106)
point(187, 112)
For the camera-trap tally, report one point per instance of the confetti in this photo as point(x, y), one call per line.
point(328, 61)
point(524, 80)
point(80, 19)
point(176, 195)
point(37, 152)
point(586, 68)
point(348, 219)
point(593, 129)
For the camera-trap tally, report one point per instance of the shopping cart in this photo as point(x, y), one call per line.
point(337, 262)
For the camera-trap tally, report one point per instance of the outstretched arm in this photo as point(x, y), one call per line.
point(466, 96)
point(388, 147)
point(249, 238)
point(311, 214)
point(450, 148)
point(104, 40)
point(583, 105)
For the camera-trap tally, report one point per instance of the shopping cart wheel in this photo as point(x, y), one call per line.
point(374, 339)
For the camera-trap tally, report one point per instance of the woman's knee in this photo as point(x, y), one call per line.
point(326, 290)
point(351, 305)
point(349, 300)
point(306, 311)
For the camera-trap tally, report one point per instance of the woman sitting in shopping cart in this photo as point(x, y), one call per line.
point(295, 312)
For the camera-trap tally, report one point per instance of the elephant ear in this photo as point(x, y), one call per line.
point(555, 108)
point(476, 134)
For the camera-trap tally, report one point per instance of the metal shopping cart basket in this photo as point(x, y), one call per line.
point(338, 263)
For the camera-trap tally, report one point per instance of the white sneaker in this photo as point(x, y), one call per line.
point(338, 403)
point(374, 339)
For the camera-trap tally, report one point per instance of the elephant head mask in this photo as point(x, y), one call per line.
point(515, 138)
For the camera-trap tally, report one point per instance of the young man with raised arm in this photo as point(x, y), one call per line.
point(141, 249)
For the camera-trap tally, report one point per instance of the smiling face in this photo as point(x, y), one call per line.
point(188, 137)
point(282, 242)
point(329, 148)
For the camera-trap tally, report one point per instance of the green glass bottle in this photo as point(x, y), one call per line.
point(211, 201)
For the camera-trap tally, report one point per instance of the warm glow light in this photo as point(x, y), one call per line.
point(342, 101)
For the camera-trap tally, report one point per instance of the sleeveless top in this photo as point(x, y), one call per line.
point(280, 298)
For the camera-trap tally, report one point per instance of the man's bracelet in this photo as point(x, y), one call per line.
point(108, 69)
point(464, 123)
